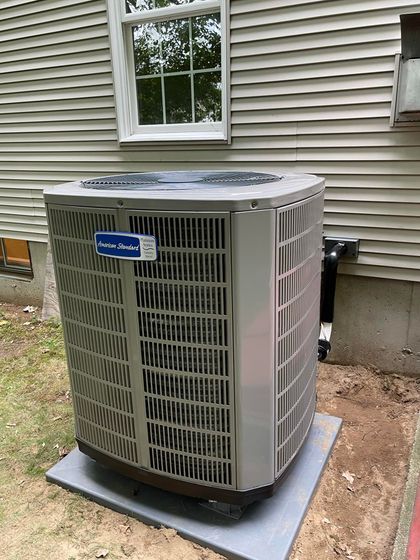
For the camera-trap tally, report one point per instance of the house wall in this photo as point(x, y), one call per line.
point(377, 323)
point(311, 92)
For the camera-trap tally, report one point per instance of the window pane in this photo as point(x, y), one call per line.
point(178, 99)
point(149, 99)
point(174, 54)
point(208, 97)
point(17, 253)
point(175, 45)
point(146, 49)
point(206, 38)
point(1, 254)
point(133, 6)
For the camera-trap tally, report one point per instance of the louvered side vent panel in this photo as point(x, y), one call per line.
point(299, 236)
point(93, 315)
point(184, 315)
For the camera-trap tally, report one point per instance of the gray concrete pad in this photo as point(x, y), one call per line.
point(267, 529)
point(401, 540)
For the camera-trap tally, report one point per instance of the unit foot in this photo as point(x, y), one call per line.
point(228, 510)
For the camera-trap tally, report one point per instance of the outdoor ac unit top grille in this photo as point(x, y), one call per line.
point(179, 180)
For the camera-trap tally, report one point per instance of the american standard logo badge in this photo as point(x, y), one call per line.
point(129, 246)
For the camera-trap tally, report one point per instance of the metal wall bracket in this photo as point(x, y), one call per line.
point(351, 244)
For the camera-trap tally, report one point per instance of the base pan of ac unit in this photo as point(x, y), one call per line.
point(267, 529)
point(227, 496)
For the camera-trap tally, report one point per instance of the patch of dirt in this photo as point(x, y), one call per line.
point(49, 523)
point(355, 512)
point(15, 312)
point(13, 315)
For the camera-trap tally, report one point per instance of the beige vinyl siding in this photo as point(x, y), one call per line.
point(311, 92)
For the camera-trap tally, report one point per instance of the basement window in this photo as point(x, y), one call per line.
point(170, 69)
point(15, 257)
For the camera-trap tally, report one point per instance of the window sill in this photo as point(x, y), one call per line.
point(175, 137)
point(5, 275)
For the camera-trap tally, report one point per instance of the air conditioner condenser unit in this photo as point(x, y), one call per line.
point(190, 308)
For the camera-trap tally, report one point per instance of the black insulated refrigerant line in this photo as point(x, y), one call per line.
point(331, 261)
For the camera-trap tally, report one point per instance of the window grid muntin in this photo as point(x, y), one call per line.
point(191, 72)
point(190, 31)
point(180, 73)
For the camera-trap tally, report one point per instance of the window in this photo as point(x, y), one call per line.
point(170, 69)
point(15, 257)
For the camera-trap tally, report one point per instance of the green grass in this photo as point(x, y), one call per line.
point(35, 409)
point(41, 521)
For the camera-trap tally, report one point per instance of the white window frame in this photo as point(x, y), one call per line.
point(120, 25)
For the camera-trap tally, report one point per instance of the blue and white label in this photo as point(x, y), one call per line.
point(128, 246)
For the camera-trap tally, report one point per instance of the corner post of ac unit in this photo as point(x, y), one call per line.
point(253, 268)
point(134, 354)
